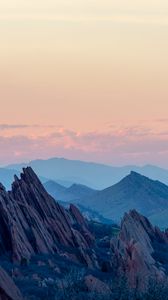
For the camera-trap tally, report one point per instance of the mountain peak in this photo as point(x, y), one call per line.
point(136, 177)
point(135, 191)
point(135, 174)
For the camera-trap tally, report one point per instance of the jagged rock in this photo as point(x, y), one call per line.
point(35, 223)
point(77, 215)
point(80, 220)
point(135, 247)
point(8, 290)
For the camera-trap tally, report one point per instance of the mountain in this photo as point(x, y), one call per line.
point(80, 190)
point(74, 192)
point(6, 176)
point(89, 214)
point(55, 189)
point(97, 176)
point(135, 191)
point(49, 252)
point(160, 218)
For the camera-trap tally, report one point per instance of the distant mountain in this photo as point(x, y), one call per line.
point(6, 176)
point(160, 218)
point(74, 192)
point(97, 176)
point(89, 214)
point(133, 192)
point(80, 190)
point(55, 189)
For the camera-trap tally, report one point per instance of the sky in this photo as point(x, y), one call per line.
point(84, 79)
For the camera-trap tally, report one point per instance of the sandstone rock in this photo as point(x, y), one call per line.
point(134, 249)
point(8, 290)
point(35, 223)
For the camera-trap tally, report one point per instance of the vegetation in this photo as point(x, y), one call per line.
point(101, 230)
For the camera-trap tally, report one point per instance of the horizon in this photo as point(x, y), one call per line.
point(70, 175)
point(27, 162)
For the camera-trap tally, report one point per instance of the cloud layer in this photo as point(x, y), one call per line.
point(117, 146)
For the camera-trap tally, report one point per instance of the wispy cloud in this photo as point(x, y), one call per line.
point(127, 145)
point(25, 126)
point(14, 126)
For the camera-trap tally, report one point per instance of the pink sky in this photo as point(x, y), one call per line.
point(134, 144)
point(85, 80)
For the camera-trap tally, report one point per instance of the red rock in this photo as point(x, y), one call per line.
point(35, 223)
point(8, 290)
point(134, 249)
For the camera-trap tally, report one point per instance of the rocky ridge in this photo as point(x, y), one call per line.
point(35, 223)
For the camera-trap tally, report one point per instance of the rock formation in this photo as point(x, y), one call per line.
point(135, 249)
point(8, 290)
point(35, 223)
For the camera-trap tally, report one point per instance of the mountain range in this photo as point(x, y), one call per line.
point(74, 194)
point(6, 176)
point(67, 194)
point(97, 176)
point(135, 191)
point(149, 197)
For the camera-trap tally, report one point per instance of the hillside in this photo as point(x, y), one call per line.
point(133, 192)
point(74, 192)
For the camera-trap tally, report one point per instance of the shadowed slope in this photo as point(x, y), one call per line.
point(133, 192)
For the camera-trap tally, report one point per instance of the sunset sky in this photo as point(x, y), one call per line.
point(84, 79)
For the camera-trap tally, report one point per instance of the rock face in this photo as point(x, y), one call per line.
point(8, 290)
point(34, 223)
point(136, 249)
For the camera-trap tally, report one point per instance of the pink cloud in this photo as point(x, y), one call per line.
point(129, 145)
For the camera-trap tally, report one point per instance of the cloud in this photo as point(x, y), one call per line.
point(129, 145)
point(25, 126)
point(13, 126)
